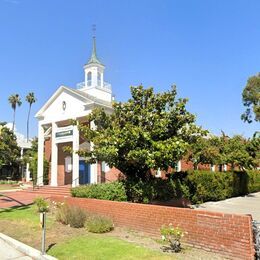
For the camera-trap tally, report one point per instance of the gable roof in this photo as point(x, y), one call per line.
point(89, 99)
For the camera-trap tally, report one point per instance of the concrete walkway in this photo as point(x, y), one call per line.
point(8, 252)
point(249, 204)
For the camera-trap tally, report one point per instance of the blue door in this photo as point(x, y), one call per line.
point(84, 172)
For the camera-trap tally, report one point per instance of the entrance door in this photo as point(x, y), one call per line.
point(84, 173)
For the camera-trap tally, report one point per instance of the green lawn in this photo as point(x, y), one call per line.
point(22, 223)
point(8, 187)
point(100, 247)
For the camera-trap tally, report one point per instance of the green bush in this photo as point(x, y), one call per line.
point(8, 182)
point(105, 191)
point(158, 189)
point(197, 186)
point(253, 181)
point(42, 204)
point(98, 224)
point(71, 215)
point(214, 186)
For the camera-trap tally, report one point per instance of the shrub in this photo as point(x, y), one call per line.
point(172, 236)
point(215, 186)
point(104, 191)
point(98, 224)
point(158, 189)
point(71, 215)
point(8, 182)
point(42, 204)
point(253, 181)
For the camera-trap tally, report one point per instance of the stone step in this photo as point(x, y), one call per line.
point(59, 191)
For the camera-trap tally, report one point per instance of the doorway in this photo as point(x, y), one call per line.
point(84, 172)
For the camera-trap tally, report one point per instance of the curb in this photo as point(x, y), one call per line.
point(25, 249)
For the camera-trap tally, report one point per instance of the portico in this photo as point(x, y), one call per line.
point(55, 128)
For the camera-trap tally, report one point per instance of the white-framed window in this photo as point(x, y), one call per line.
point(99, 79)
point(68, 164)
point(89, 78)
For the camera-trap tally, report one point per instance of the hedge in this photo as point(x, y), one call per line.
point(104, 191)
point(215, 186)
point(197, 186)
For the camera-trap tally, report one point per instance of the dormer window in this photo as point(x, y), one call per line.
point(89, 78)
point(99, 79)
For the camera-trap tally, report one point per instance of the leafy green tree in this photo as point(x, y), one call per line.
point(30, 98)
point(15, 101)
point(253, 148)
point(204, 151)
point(9, 150)
point(237, 151)
point(149, 131)
point(251, 99)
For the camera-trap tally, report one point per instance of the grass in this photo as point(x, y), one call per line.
point(64, 242)
point(8, 187)
point(22, 223)
point(99, 247)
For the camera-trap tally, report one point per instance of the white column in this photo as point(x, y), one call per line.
point(40, 155)
point(54, 156)
point(93, 166)
point(27, 176)
point(75, 159)
point(212, 167)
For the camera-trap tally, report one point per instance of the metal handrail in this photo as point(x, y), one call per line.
point(35, 181)
point(74, 181)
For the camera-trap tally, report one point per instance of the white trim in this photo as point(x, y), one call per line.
point(55, 95)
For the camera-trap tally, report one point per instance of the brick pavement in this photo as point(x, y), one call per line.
point(18, 198)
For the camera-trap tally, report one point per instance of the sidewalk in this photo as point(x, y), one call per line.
point(249, 204)
point(7, 252)
point(14, 249)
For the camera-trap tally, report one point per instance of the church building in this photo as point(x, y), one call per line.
point(56, 131)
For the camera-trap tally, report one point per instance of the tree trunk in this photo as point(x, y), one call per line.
point(28, 118)
point(13, 120)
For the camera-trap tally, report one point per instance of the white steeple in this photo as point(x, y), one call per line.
point(94, 84)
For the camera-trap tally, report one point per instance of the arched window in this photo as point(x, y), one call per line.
point(99, 78)
point(89, 78)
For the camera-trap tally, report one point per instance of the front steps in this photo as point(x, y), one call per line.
point(63, 191)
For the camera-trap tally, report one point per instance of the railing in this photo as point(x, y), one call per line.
point(35, 182)
point(75, 181)
point(106, 85)
point(81, 85)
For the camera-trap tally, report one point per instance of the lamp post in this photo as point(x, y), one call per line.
point(43, 216)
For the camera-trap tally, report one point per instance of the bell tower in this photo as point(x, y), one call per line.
point(94, 84)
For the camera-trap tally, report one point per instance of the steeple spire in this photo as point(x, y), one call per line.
point(94, 58)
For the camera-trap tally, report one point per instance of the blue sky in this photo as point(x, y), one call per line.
point(207, 48)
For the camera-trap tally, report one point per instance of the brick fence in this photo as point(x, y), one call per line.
point(229, 235)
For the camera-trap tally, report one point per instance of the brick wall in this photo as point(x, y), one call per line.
point(226, 234)
point(113, 175)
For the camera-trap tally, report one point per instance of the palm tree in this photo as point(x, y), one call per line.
point(15, 101)
point(30, 98)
